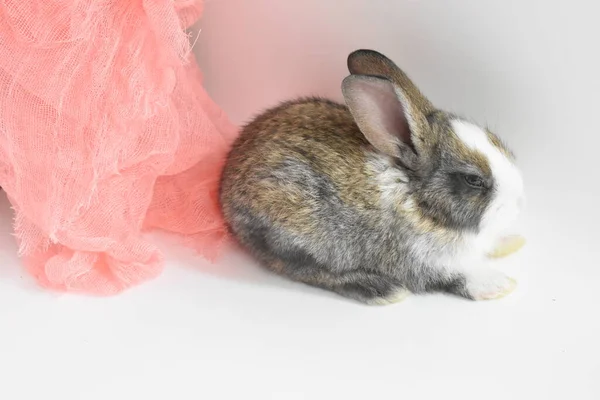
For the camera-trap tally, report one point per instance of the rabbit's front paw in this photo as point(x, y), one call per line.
point(507, 246)
point(489, 284)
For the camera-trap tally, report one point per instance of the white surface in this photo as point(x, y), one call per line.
point(231, 331)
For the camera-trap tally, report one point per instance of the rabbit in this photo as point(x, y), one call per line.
point(377, 198)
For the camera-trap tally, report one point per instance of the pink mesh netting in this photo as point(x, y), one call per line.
point(106, 130)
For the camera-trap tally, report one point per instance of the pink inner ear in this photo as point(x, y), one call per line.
point(384, 109)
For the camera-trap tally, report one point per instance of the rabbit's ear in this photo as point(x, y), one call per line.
point(370, 62)
point(385, 116)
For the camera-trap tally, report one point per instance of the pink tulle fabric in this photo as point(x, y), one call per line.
point(106, 131)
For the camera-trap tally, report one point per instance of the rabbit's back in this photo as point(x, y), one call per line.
point(292, 161)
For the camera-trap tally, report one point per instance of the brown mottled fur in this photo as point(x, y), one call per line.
point(329, 141)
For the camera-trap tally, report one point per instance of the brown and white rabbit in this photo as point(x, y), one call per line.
point(374, 199)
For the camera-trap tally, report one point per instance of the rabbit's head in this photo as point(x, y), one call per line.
point(459, 176)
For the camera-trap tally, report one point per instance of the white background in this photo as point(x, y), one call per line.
point(530, 69)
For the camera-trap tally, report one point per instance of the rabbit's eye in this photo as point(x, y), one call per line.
point(474, 181)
